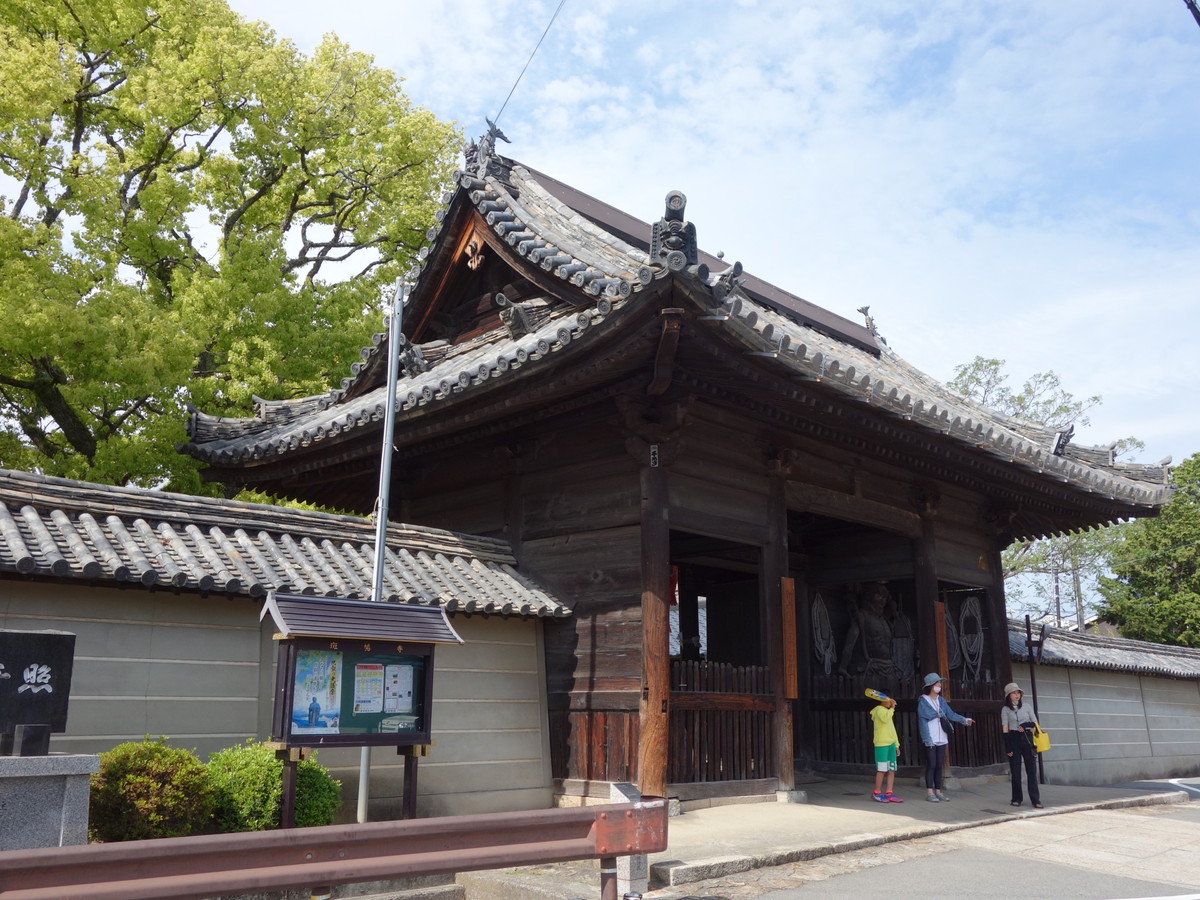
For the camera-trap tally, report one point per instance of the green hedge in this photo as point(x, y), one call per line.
point(149, 790)
point(250, 781)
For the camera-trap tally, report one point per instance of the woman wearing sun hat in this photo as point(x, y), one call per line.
point(934, 716)
point(1016, 721)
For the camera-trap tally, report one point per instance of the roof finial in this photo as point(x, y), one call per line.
point(672, 238)
point(479, 156)
point(870, 323)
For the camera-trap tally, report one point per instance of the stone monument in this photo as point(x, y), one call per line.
point(43, 796)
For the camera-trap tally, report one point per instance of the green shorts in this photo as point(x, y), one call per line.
point(885, 758)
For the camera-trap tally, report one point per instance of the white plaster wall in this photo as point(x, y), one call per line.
point(491, 749)
point(1108, 727)
point(200, 671)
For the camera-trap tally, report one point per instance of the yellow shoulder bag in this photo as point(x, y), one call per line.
point(1041, 739)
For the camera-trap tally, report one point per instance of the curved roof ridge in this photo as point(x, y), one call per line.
point(1096, 651)
point(530, 189)
point(890, 383)
point(597, 269)
point(485, 363)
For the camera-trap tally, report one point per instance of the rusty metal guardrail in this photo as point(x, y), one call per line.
point(194, 868)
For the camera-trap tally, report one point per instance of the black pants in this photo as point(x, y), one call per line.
point(935, 759)
point(1022, 751)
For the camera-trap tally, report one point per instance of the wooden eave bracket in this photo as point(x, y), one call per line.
point(668, 345)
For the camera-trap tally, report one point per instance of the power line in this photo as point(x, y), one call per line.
point(1138, 559)
point(528, 61)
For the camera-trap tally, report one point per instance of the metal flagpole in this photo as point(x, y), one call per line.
point(381, 504)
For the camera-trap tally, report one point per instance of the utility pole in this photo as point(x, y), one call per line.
point(1057, 600)
point(395, 321)
point(1192, 5)
point(1080, 618)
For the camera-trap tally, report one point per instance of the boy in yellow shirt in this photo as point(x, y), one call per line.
point(887, 751)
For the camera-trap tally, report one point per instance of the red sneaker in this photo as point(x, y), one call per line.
point(889, 797)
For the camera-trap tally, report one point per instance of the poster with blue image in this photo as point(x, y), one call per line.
point(316, 701)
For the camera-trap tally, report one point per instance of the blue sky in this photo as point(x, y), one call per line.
point(1014, 180)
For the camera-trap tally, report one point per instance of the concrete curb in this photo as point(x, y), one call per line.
point(674, 873)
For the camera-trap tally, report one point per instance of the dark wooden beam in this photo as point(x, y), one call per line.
point(930, 621)
point(997, 618)
point(775, 620)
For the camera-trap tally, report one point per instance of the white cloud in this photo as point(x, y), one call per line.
point(1013, 180)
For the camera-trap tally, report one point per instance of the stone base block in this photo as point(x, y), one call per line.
point(44, 800)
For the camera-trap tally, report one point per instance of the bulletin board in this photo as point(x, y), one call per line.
point(350, 692)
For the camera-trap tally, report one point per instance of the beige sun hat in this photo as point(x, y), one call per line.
point(1010, 687)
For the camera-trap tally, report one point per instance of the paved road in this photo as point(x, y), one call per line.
point(1143, 852)
point(1191, 785)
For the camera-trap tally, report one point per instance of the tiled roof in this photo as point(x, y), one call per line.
point(603, 266)
point(58, 528)
point(778, 332)
point(1094, 651)
point(299, 615)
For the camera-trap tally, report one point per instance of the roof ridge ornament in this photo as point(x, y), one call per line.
point(480, 156)
point(514, 315)
point(869, 321)
point(673, 238)
point(727, 281)
point(1062, 437)
point(410, 357)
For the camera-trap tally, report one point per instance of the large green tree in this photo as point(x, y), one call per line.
point(1054, 576)
point(193, 212)
point(1154, 594)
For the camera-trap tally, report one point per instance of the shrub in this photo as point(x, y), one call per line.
point(249, 780)
point(149, 790)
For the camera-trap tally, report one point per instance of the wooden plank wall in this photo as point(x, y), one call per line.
point(718, 484)
point(595, 745)
point(720, 723)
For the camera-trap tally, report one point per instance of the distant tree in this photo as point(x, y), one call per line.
point(193, 211)
point(1058, 578)
point(1154, 592)
point(1053, 576)
point(1040, 400)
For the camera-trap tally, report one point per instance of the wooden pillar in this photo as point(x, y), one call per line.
point(656, 630)
point(776, 591)
point(804, 721)
point(411, 758)
point(287, 801)
point(997, 619)
point(931, 612)
point(930, 617)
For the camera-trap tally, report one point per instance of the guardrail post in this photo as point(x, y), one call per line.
point(633, 871)
point(608, 878)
